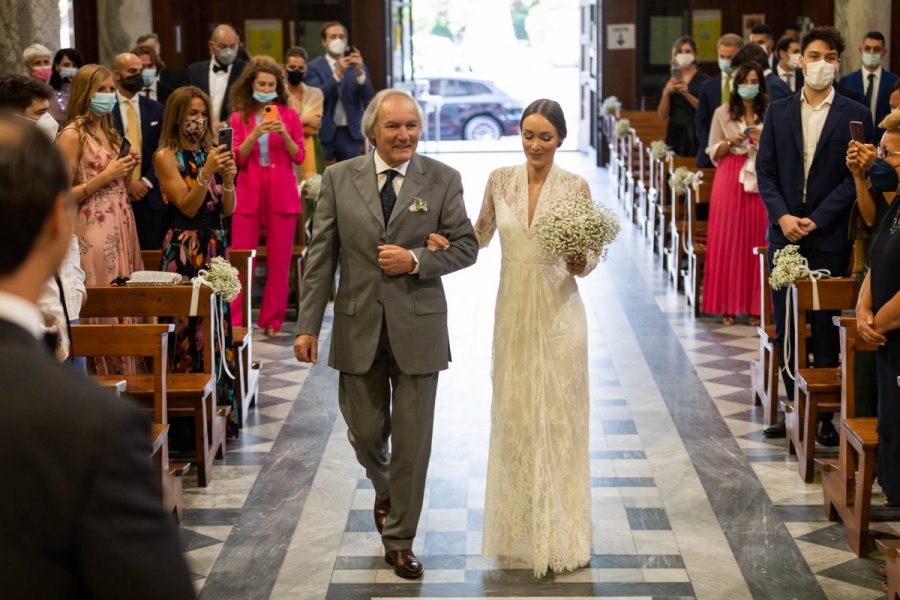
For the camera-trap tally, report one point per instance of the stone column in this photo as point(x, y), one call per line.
point(25, 23)
point(855, 18)
point(119, 24)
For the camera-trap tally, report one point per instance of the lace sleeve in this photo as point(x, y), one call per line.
point(486, 224)
point(592, 258)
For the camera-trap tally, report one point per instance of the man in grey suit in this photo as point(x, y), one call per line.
point(389, 339)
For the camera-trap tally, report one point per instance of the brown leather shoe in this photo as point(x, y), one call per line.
point(381, 510)
point(405, 563)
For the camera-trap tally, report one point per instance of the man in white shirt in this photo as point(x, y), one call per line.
point(344, 80)
point(872, 82)
point(788, 52)
point(216, 75)
point(159, 82)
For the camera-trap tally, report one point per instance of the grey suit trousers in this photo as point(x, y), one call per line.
point(386, 404)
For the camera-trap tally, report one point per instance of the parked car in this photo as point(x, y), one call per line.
point(470, 109)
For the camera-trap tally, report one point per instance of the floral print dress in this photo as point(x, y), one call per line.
point(189, 245)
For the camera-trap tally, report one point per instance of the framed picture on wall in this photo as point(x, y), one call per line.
point(748, 22)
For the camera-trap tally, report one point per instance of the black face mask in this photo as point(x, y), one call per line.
point(133, 83)
point(883, 176)
point(296, 77)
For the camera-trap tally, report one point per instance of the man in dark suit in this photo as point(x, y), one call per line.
point(80, 515)
point(216, 75)
point(139, 119)
point(344, 80)
point(713, 93)
point(159, 82)
point(873, 82)
point(808, 190)
point(787, 51)
point(775, 88)
point(764, 36)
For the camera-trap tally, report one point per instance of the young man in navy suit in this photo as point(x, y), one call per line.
point(808, 190)
point(143, 188)
point(873, 82)
point(713, 93)
point(345, 82)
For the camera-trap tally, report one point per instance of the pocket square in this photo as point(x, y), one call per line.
point(418, 205)
point(154, 123)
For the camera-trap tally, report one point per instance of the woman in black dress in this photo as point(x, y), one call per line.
point(680, 96)
point(878, 321)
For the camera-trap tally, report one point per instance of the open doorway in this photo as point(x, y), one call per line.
point(475, 64)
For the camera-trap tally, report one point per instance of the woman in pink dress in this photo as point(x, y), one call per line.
point(104, 223)
point(268, 142)
point(737, 215)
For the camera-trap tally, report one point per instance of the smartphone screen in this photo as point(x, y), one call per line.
point(857, 132)
point(125, 148)
point(226, 136)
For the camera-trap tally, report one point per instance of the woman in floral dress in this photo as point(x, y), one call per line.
point(187, 165)
point(104, 223)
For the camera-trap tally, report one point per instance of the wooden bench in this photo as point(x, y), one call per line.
point(188, 394)
point(672, 220)
point(695, 230)
point(847, 481)
point(647, 127)
point(891, 549)
point(764, 370)
point(816, 389)
point(150, 341)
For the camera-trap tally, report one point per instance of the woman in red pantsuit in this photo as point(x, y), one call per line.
point(268, 141)
point(737, 215)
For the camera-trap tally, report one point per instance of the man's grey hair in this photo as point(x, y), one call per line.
point(35, 51)
point(370, 117)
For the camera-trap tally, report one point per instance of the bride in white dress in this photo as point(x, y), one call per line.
point(538, 502)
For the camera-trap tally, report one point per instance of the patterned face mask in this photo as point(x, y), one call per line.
point(194, 129)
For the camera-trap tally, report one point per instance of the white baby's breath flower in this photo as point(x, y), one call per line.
point(789, 267)
point(682, 177)
point(610, 106)
point(622, 127)
point(660, 150)
point(576, 228)
point(223, 278)
point(311, 186)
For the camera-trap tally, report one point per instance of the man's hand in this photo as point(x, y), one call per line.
point(306, 348)
point(356, 61)
point(436, 242)
point(395, 260)
point(791, 228)
point(808, 225)
point(137, 190)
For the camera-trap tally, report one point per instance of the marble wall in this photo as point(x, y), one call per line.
point(119, 25)
point(25, 23)
point(855, 18)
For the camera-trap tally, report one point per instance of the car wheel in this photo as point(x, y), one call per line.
point(482, 127)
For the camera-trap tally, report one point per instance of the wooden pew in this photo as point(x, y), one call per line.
point(847, 481)
point(673, 222)
point(696, 223)
point(151, 341)
point(764, 370)
point(188, 394)
point(816, 389)
point(647, 127)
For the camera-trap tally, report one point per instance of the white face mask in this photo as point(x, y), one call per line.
point(48, 125)
point(794, 60)
point(336, 46)
point(684, 59)
point(819, 74)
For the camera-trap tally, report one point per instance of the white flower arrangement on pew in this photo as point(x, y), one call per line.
point(610, 106)
point(577, 228)
point(622, 127)
point(682, 177)
point(222, 278)
point(660, 150)
point(311, 186)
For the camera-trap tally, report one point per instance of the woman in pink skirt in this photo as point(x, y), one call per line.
point(737, 215)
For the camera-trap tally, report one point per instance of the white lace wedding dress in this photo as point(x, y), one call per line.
point(538, 501)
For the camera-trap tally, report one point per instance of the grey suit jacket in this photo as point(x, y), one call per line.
point(349, 227)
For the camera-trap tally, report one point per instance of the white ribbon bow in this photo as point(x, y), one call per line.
point(814, 276)
point(218, 317)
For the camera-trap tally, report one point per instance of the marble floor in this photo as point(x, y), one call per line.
point(688, 499)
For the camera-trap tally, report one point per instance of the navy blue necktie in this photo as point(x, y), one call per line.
point(388, 195)
point(869, 89)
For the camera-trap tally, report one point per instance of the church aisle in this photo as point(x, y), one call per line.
point(687, 499)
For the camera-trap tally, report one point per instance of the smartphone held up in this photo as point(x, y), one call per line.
point(857, 133)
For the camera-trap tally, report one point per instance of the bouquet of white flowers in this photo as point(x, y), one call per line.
point(789, 264)
point(682, 177)
point(622, 127)
point(222, 278)
point(610, 106)
point(575, 228)
point(660, 150)
point(311, 186)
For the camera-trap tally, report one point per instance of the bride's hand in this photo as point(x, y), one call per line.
point(576, 267)
point(436, 242)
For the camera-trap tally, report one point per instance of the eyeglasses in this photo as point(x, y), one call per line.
point(884, 152)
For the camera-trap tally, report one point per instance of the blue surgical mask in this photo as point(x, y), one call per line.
point(873, 61)
point(748, 91)
point(264, 98)
point(102, 104)
point(67, 72)
point(883, 176)
point(725, 65)
point(149, 76)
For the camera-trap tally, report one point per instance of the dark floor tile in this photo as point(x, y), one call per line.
point(622, 482)
point(360, 521)
point(191, 540)
point(833, 536)
point(720, 349)
point(610, 402)
point(618, 427)
point(858, 571)
point(800, 513)
point(734, 379)
point(247, 458)
point(648, 519)
point(210, 516)
point(618, 454)
point(727, 364)
point(445, 542)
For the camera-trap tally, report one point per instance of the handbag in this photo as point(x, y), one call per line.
point(154, 278)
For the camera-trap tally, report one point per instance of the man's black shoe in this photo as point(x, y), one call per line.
point(827, 435)
point(775, 431)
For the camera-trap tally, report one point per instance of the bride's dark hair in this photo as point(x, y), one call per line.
point(550, 110)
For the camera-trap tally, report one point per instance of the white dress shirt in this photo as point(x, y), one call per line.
point(218, 82)
point(340, 114)
point(876, 83)
point(789, 77)
point(381, 169)
point(812, 120)
point(21, 312)
point(151, 92)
